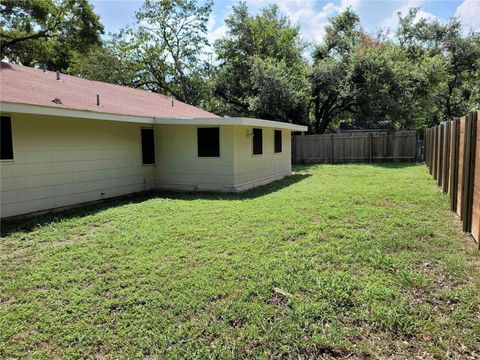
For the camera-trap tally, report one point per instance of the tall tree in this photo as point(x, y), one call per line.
point(390, 86)
point(332, 91)
point(47, 31)
point(279, 95)
point(112, 62)
point(163, 52)
point(460, 52)
point(256, 53)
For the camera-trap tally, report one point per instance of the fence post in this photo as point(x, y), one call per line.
point(432, 147)
point(331, 152)
point(417, 147)
point(454, 164)
point(370, 145)
point(435, 153)
point(425, 146)
point(440, 156)
point(446, 156)
point(469, 171)
point(431, 150)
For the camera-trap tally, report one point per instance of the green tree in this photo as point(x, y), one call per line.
point(460, 53)
point(390, 86)
point(333, 93)
point(47, 31)
point(368, 79)
point(280, 94)
point(111, 62)
point(258, 52)
point(164, 52)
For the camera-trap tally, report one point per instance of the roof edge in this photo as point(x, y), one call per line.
point(241, 121)
point(11, 107)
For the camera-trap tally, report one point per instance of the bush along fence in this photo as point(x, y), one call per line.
point(359, 147)
point(452, 154)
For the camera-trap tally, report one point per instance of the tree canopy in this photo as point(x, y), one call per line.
point(425, 72)
point(261, 72)
point(47, 32)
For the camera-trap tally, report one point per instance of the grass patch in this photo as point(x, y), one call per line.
point(336, 261)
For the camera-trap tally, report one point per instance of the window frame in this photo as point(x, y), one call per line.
point(154, 146)
point(11, 136)
point(275, 132)
point(253, 142)
point(219, 143)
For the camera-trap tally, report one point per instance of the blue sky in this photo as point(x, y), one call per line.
point(311, 15)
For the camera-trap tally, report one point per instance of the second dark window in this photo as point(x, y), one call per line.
point(148, 147)
point(278, 141)
point(6, 152)
point(257, 141)
point(208, 140)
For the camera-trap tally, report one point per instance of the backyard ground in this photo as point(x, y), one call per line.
point(351, 261)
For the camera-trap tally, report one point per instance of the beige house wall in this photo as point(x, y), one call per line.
point(255, 170)
point(237, 169)
point(65, 161)
point(180, 168)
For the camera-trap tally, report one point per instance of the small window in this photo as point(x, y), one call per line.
point(6, 152)
point(278, 141)
point(208, 140)
point(148, 147)
point(257, 141)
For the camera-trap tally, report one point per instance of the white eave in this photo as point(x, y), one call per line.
point(9, 107)
point(240, 121)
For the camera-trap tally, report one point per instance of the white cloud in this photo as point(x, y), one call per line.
point(215, 33)
point(312, 21)
point(305, 13)
point(391, 23)
point(469, 13)
point(354, 4)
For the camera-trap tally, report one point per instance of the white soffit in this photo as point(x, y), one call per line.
point(241, 121)
point(8, 107)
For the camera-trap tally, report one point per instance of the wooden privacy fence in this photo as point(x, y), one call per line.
point(452, 154)
point(400, 146)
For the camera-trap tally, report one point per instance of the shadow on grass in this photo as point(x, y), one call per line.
point(30, 223)
point(397, 165)
point(389, 165)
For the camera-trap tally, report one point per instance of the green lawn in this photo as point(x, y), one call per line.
point(336, 261)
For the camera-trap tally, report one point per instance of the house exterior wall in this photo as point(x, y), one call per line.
point(237, 169)
point(255, 170)
point(65, 161)
point(180, 168)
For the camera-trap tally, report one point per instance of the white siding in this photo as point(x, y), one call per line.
point(65, 161)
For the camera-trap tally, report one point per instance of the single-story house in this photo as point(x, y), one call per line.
point(66, 140)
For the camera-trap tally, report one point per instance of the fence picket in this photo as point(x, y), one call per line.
point(355, 147)
point(452, 156)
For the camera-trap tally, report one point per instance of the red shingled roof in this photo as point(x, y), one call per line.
point(26, 85)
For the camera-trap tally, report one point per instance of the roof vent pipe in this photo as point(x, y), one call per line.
point(98, 100)
point(58, 75)
point(172, 103)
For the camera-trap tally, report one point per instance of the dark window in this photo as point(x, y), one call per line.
point(257, 141)
point(6, 146)
point(208, 140)
point(278, 141)
point(148, 146)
